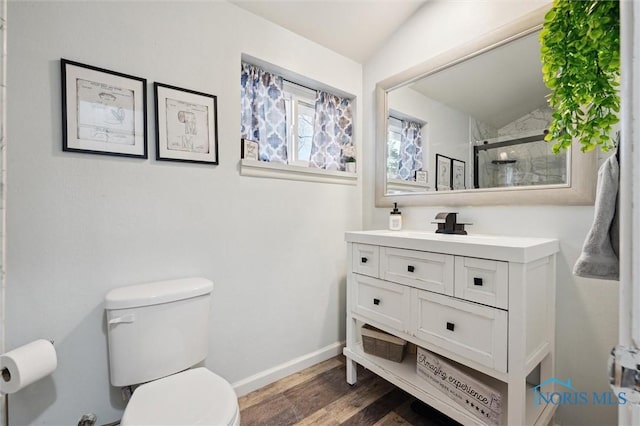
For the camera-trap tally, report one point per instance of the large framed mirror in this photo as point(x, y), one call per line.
point(467, 128)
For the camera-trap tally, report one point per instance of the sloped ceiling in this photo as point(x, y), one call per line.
point(353, 28)
point(496, 87)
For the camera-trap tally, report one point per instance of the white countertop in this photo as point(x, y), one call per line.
point(510, 249)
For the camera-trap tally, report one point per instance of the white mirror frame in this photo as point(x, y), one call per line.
point(581, 185)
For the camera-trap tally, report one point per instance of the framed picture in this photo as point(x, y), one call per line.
point(249, 149)
point(458, 173)
point(421, 176)
point(186, 125)
point(443, 173)
point(103, 112)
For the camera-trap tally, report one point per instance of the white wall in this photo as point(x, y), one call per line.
point(586, 309)
point(80, 225)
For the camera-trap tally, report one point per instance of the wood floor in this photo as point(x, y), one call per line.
point(320, 395)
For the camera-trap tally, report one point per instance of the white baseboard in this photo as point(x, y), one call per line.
point(263, 378)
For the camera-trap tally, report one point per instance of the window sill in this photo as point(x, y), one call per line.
point(400, 185)
point(286, 171)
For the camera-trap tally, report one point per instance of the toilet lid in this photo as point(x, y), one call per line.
point(193, 397)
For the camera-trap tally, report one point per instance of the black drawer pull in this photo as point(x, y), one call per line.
point(450, 326)
point(376, 301)
point(364, 260)
point(477, 281)
point(410, 268)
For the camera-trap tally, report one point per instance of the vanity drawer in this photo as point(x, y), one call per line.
point(386, 303)
point(483, 281)
point(474, 331)
point(366, 259)
point(421, 269)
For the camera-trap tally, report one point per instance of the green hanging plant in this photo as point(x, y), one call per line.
point(580, 52)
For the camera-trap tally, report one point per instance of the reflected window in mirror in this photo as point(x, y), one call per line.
point(394, 140)
point(405, 153)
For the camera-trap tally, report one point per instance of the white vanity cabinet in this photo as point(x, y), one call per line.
point(486, 303)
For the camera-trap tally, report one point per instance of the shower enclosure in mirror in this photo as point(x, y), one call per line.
point(523, 161)
point(484, 107)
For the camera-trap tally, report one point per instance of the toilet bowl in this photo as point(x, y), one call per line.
point(157, 333)
point(193, 397)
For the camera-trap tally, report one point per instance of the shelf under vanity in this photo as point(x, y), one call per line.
point(485, 304)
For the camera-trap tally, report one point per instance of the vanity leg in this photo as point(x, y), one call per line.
point(516, 395)
point(352, 373)
point(352, 335)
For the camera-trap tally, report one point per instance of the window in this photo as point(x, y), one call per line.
point(300, 111)
point(281, 116)
point(405, 155)
point(394, 141)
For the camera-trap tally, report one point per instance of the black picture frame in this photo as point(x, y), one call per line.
point(421, 176)
point(458, 174)
point(249, 149)
point(186, 125)
point(103, 111)
point(443, 173)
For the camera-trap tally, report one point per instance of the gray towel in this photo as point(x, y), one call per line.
point(599, 253)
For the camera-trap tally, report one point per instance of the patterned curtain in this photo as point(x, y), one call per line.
point(332, 131)
point(263, 117)
point(410, 150)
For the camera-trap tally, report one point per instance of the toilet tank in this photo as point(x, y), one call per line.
point(157, 329)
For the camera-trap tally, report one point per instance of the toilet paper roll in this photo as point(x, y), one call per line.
point(26, 364)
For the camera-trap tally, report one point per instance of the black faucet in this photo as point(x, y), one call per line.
point(447, 224)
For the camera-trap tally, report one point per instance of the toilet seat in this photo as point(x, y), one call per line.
point(193, 397)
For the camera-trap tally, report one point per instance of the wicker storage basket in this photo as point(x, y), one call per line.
point(377, 342)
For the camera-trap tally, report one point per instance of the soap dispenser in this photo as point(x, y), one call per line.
point(395, 218)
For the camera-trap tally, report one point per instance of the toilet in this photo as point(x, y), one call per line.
point(157, 333)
